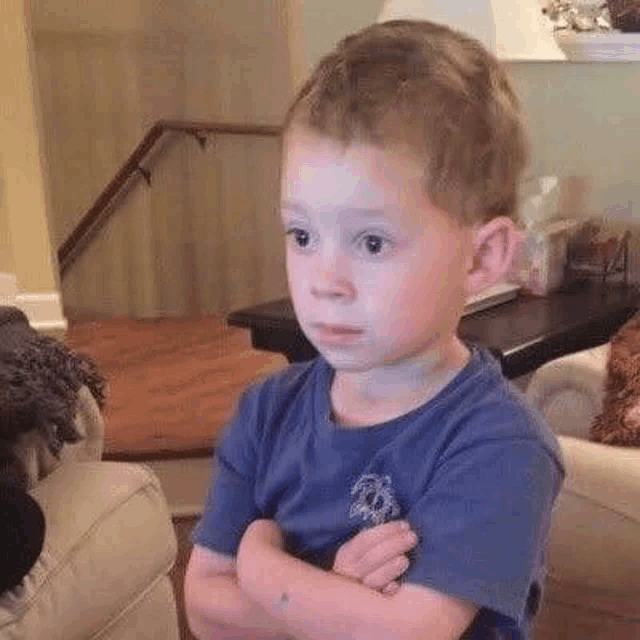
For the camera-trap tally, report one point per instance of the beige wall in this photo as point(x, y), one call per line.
point(7, 264)
point(326, 21)
point(24, 233)
point(297, 42)
point(107, 72)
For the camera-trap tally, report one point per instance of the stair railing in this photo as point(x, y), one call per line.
point(100, 211)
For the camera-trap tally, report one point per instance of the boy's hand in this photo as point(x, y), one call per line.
point(266, 532)
point(377, 557)
point(260, 536)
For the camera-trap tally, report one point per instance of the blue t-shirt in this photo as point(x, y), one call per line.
point(475, 471)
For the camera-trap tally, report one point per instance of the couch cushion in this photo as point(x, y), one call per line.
point(109, 539)
point(569, 390)
point(595, 537)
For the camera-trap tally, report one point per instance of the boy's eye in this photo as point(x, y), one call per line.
point(300, 236)
point(374, 244)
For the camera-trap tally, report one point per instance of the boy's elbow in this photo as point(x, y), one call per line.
point(205, 597)
point(421, 613)
point(198, 626)
point(210, 592)
point(198, 607)
point(213, 598)
point(211, 601)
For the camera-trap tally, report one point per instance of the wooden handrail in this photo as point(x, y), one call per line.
point(97, 215)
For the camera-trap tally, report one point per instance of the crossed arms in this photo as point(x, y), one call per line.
point(269, 589)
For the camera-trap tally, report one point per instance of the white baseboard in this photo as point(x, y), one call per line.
point(44, 310)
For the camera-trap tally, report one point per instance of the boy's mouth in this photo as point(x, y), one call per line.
point(335, 334)
point(335, 329)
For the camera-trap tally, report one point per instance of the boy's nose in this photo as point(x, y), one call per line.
point(333, 291)
point(331, 282)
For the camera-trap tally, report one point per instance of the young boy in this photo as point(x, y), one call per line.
point(402, 158)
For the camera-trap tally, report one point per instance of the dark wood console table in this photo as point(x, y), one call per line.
point(523, 333)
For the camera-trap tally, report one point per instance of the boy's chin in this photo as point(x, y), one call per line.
point(450, 355)
point(351, 362)
point(344, 361)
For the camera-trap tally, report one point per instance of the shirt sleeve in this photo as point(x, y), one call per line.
point(230, 505)
point(483, 526)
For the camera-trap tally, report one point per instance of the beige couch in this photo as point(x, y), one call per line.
point(109, 545)
point(593, 587)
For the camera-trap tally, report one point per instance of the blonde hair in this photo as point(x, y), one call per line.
point(436, 90)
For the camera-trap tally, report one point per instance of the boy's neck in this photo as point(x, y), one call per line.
point(368, 398)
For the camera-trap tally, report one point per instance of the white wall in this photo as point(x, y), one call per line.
point(584, 118)
point(326, 21)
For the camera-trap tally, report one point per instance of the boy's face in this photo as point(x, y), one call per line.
point(376, 272)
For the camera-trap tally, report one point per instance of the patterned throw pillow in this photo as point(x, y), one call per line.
point(619, 422)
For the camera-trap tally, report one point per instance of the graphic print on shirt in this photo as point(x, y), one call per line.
point(373, 500)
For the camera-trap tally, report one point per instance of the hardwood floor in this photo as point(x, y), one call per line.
point(173, 382)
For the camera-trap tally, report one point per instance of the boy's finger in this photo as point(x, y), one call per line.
point(391, 589)
point(381, 533)
point(372, 548)
point(391, 570)
point(387, 549)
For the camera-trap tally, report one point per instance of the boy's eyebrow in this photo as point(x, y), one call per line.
point(364, 211)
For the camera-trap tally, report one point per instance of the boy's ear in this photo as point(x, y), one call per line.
point(494, 246)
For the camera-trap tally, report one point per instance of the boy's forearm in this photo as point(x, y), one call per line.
point(313, 603)
point(219, 600)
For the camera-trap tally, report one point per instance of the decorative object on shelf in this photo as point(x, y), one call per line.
point(547, 247)
point(625, 14)
point(580, 16)
point(511, 30)
point(594, 252)
point(549, 217)
point(586, 30)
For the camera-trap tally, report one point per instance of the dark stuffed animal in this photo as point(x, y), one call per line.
point(22, 528)
point(618, 423)
point(625, 14)
point(39, 382)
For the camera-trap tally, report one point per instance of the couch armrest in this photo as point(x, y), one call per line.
point(90, 423)
point(109, 539)
point(594, 554)
point(569, 391)
point(38, 460)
